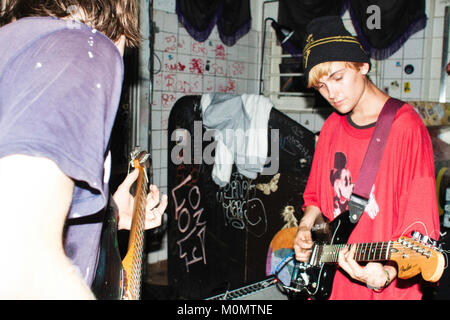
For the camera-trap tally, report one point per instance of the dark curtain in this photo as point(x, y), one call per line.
point(232, 17)
point(398, 20)
point(296, 14)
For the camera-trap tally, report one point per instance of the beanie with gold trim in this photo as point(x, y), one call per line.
point(328, 40)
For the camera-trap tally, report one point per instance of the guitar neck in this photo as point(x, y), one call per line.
point(138, 222)
point(133, 260)
point(374, 251)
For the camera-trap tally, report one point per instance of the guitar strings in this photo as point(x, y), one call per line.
point(415, 222)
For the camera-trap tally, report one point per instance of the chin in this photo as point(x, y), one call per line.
point(344, 109)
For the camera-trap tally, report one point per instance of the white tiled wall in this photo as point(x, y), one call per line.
point(184, 66)
point(424, 51)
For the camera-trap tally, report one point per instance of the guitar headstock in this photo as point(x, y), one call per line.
point(418, 255)
point(140, 159)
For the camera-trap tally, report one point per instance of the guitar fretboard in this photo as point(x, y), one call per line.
point(374, 251)
point(136, 241)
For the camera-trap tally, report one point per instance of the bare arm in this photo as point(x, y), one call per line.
point(303, 240)
point(35, 197)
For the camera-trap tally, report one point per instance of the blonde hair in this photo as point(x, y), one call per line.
point(324, 68)
point(113, 18)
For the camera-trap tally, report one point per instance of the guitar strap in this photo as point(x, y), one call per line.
point(361, 191)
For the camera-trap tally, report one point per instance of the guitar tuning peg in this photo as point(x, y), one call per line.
point(416, 235)
point(425, 240)
point(134, 153)
point(145, 158)
point(435, 244)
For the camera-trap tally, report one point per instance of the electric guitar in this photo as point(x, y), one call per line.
point(314, 279)
point(116, 279)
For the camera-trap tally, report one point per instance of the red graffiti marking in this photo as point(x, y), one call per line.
point(196, 66)
point(237, 68)
point(220, 52)
point(170, 81)
point(230, 87)
point(167, 100)
point(198, 49)
point(171, 43)
point(175, 67)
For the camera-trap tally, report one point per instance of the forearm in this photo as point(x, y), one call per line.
point(310, 216)
point(31, 240)
point(40, 276)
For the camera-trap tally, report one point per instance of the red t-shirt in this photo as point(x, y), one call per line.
point(403, 198)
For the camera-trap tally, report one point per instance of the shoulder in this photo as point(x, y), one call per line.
point(329, 129)
point(58, 59)
point(407, 119)
point(82, 39)
point(331, 123)
point(409, 131)
point(60, 43)
point(86, 48)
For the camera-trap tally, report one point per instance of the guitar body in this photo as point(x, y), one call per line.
point(108, 283)
point(316, 281)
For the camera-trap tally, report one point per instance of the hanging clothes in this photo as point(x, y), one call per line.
point(232, 17)
point(240, 123)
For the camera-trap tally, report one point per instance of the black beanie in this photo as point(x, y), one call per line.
point(328, 40)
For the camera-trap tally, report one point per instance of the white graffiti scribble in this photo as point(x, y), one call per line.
point(190, 224)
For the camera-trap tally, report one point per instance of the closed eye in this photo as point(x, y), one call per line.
point(318, 86)
point(337, 77)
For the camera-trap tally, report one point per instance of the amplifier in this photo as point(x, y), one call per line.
point(262, 290)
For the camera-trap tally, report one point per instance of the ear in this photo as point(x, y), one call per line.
point(365, 68)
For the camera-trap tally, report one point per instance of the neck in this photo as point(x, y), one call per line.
point(369, 105)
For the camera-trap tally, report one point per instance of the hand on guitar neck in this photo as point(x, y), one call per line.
point(155, 204)
point(374, 274)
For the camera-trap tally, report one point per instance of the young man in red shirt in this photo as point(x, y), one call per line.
point(403, 196)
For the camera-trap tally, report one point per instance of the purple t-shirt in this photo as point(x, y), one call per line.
point(60, 86)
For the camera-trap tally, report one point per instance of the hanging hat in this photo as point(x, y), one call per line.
point(328, 40)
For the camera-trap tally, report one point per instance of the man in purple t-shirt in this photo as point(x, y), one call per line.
point(60, 85)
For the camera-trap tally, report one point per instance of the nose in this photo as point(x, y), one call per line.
point(331, 92)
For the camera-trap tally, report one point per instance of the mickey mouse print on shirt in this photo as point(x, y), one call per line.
point(341, 181)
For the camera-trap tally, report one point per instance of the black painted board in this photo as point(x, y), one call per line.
point(219, 237)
